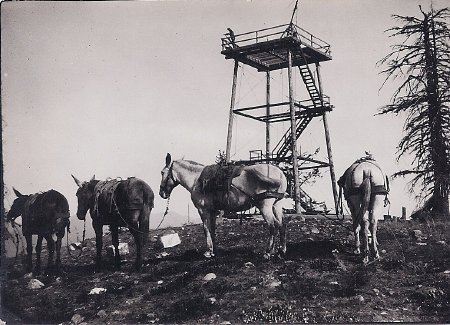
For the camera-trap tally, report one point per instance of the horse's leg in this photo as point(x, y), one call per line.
point(133, 224)
point(278, 213)
point(353, 204)
point(208, 229)
point(37, 268)
point(115, 241)
point(29, 258)
point(265, 207)
point(51, 250)
point(98, 228)
point(365, 237)
point(212, 222)
point(58, 253)
point(375, 211)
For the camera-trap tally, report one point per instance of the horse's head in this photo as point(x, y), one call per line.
point(61, 223)
point(168, 182)
point(17, 206)
point(85, 196)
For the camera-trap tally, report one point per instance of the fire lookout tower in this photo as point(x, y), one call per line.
point(275, 48)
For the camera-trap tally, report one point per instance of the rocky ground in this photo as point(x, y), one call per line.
point(318, 281)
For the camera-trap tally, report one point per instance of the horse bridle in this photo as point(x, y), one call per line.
point(170, 175)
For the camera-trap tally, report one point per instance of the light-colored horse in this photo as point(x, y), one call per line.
point(365, 189)
point(260, 185)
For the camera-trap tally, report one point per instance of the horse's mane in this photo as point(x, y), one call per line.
point(190, 165)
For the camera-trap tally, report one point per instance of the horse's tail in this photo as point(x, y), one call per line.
point(144, 224)
point(366, 192)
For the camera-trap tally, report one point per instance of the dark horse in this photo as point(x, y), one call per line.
point(117, 203)
point(45, 215)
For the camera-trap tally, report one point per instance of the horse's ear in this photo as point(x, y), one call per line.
point(76, 180)
point(93, 177)
point(168, 159)
point(18, 194)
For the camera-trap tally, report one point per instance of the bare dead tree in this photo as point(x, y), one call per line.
point(422, 64)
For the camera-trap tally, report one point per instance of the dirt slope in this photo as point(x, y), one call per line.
point(319, 280)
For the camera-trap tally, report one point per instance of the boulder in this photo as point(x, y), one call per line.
point(76, 319)
point(249, 265)
point(169, 240)
point(416, 234)
point(35, 284)
point(97, 291)
point(102, 314)
point(314, 230)
point(209, 277)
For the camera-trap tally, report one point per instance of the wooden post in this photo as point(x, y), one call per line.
point(328, 142)
point(293, 138)
point(403, 213)
point(230, 118)
point(267, 116)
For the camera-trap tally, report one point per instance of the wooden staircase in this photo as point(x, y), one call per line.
point(284, 146)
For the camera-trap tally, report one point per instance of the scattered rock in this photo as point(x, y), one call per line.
point(169, 240)
point(28, 275)
point(274, 284)
point(428, 293)
point(212, 300)
point(102, 314)
point(447, 272)
point(249, 265)
point(160, 282)
point(314, 230)
point(76, 246)
point(334, 283)
point(422, 244)
point(416, 234)
point(376, 291)
point(77, 319)
point(358, 298)
point(35, 284)
point(441, 242)
point(162, 254)
point(123, 250)
point(97, 291)
point(209, 277)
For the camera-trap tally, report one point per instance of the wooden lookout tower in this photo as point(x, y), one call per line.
point(283, 47)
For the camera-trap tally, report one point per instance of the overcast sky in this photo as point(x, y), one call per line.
point(108, 88)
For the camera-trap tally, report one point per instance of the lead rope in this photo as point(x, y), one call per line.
point(165, 213)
